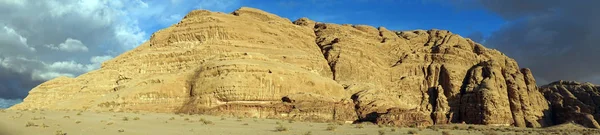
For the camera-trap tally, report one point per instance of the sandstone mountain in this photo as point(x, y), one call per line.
point(256, 64)
point(573, 102)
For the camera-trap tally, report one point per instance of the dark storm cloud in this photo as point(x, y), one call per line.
point(40, 40)
point(476, 36)
point(14, 83)
point(557, 39)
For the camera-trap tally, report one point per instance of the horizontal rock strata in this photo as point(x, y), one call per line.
point(256, 64)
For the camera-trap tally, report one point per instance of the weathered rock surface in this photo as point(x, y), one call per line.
point(573, 102)
point(428, 77)
point(241, 63)
point(254, 63)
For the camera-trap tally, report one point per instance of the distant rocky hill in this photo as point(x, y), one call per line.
point(256, 64)
point(573, 102)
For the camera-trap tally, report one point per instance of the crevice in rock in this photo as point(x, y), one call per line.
point(332, 68)
point(190, 105)
point(191, 82)
point(326, 48)
point(428, 39)
point(433, 96)
point(444, 40)
point(435, 49)
point(400, 60)
point(122, 79)
point(510, 92)
point(354, 98)
point(383, 39)
point(444, 80)
point(457, 109)
point(371, 117)
point(191, 90)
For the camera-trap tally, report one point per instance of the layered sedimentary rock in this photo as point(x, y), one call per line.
point(428, 77)
point(242, 63)
point(254, 63)
point(573, 102)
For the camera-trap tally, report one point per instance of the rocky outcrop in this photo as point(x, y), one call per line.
point(428, 77)
point(573, 102)
point(241, 63)
point(256, 64)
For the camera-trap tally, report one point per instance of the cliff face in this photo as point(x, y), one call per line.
point(428, 77)
point(254, 63)
point(573, 102)
point(242, 63)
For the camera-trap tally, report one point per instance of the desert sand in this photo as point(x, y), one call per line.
point(44, 122)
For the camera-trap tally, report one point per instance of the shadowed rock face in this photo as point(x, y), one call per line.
point(573, 102)
point(253, 63)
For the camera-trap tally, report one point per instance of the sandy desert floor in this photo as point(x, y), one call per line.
point(40, 122)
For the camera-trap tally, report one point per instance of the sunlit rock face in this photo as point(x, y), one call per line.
point(573, 102)
point(256, 64)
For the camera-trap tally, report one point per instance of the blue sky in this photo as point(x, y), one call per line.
point(392, 14)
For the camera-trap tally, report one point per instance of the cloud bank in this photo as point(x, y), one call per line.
point(557, 39)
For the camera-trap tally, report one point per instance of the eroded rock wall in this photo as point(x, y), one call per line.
point(573, 102)
point(244, 62)
point(428, 77)
point(253, 63)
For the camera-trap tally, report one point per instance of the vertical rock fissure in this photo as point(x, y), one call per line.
point(433, 96)
point(444, 81)
point(191, 82)
point(429, 90)
point(383, 39)
point(510, 92)
point(191, 105)
point(326, 49)
point(458, 109)
point(332, 65)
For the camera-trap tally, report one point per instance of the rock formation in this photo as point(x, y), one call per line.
point(573, 102)
point(428, 77)
point(253, 63)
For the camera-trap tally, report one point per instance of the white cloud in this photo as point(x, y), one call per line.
point(129, 35)
point(20, 64)
point(13, 42)
point(97, 27)
point(13, 2)
point(70, 45)
point(41, 71)
point(44, 75)
point(66, 68)
point(100, 59)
